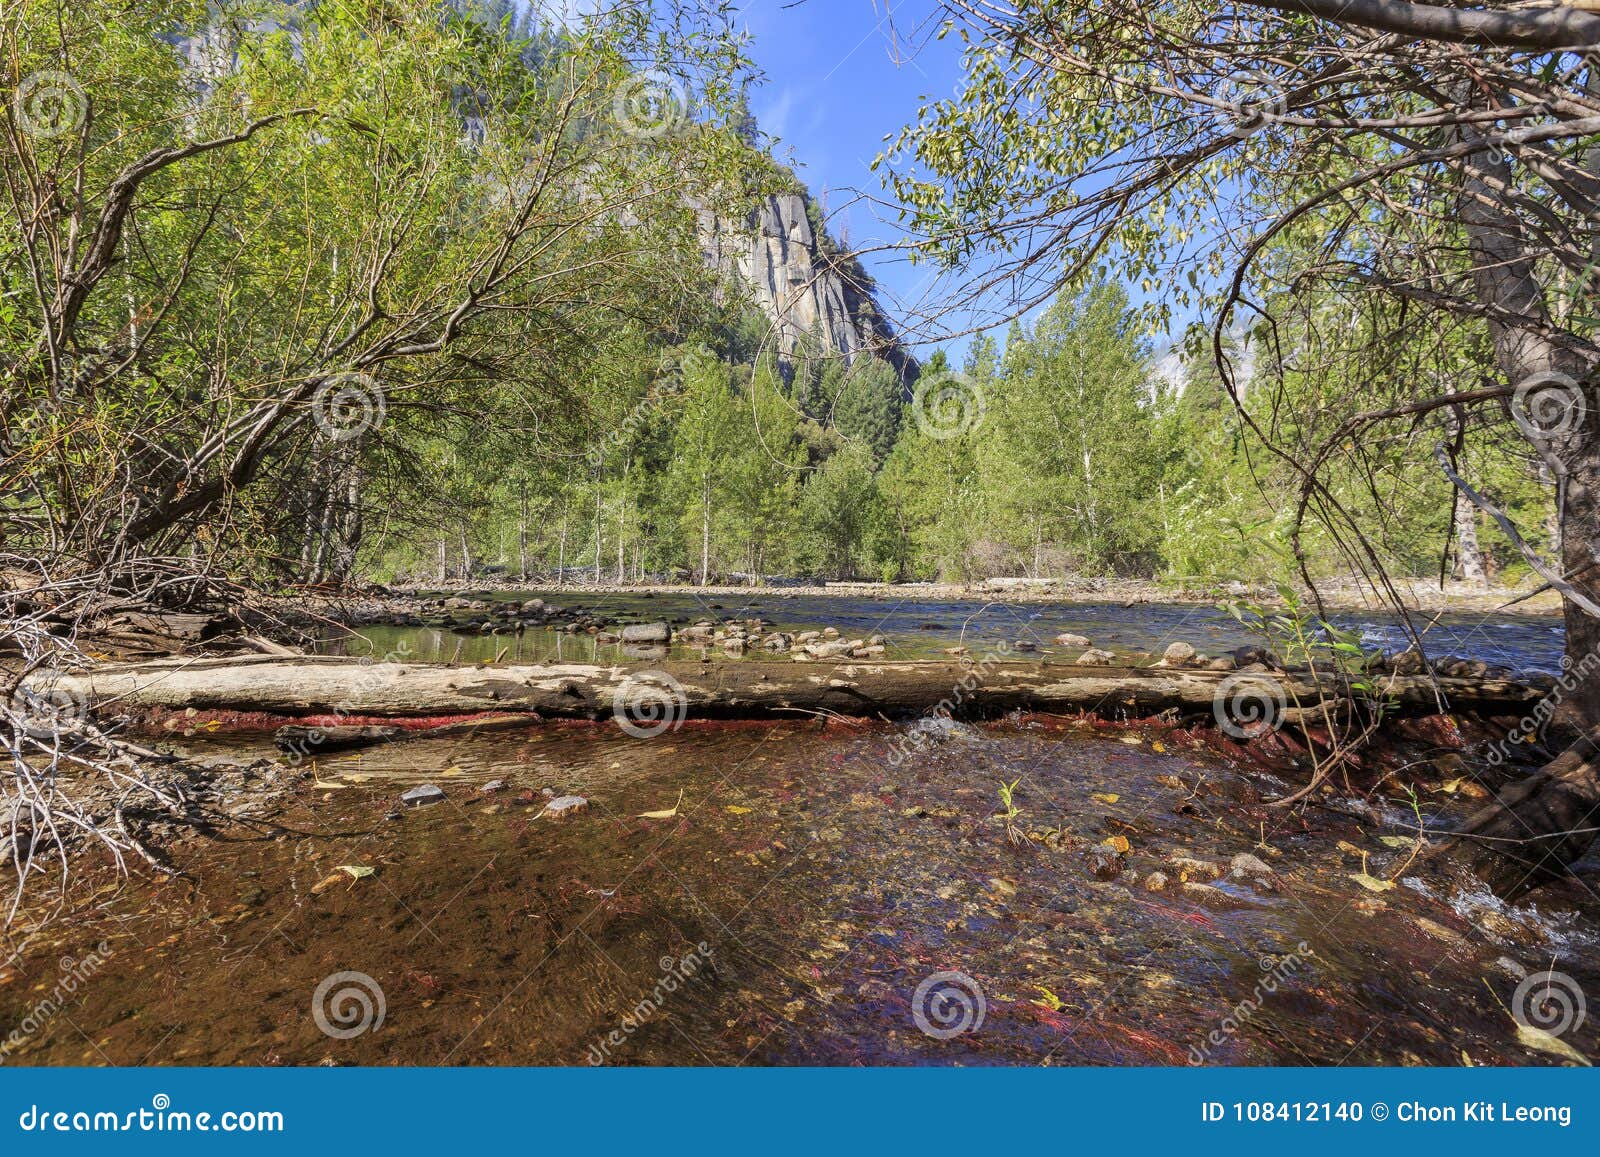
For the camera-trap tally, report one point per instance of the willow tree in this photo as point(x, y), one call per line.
point(1236, 157)
point(236, 238)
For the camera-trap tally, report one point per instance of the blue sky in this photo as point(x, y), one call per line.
point(840, 74)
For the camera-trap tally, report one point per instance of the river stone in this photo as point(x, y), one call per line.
point(1094, 657)
point(646, 633)
point(1244, 864)
point(565, 805)
point(1068, 639)
point(1177, 654)
point(422, 795)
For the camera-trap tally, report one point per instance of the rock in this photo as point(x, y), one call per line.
point(608, 637)
point(1178, 655)
point(830, 632)
point(805, 637)
point(1408, 662)
point(647, 633)
point(876, 641)
point(1094, 657)
point(735, 645)
point(1106, 861)
point(1245, 656)
point(565, 806)
point(1189, 868)
point(422, 795)
point(778, 641)
point(1155, 881)
point(493, 785)
point(1245, 864)
point(1068, 639)
point(1024, 645)
point(829, 650)
point(1224, 663)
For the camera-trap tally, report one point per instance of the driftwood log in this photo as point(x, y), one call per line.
point(321, 685)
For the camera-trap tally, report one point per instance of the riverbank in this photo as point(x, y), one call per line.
point(1419, 594)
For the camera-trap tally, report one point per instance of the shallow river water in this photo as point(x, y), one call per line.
point(923, 628)
point(823, 894)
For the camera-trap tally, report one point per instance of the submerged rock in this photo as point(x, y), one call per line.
point(422, 795)
point(564, 806)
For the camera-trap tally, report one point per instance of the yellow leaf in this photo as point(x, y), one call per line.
point(666, 814)
point(1537, 1038)
point(1120, 843)
point(1050, 1001)
point(735, 809)
point(1105, 796)
point(1158, 747)
point(1372, 883)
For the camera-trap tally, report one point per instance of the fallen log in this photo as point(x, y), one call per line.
point(323, 738)
point(674, 690)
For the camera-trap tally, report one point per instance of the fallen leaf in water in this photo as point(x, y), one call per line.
point(452, 771)
point(1131, 739)
point(735, 809)
point(1349, 849)
point(668, 813)
point(1050, 1001)
point(358, 871)
point(1120, 843)
point(1398, 841)
point(1537, 1038)
point(1371, 883)
point(1158, 746)
point(1105, 796)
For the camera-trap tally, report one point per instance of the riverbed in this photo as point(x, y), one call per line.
point(1030, 891)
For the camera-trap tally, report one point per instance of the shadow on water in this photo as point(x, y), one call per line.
point(836, 896)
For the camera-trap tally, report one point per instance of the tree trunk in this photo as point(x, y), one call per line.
point(1469, 555)
point(318, 685)
point(1549, 811)
point(1540, 826)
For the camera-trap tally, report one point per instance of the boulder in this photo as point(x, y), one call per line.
point(1068, 639)
point(1096, 658)
point(647, 633)
point(1178, 655)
